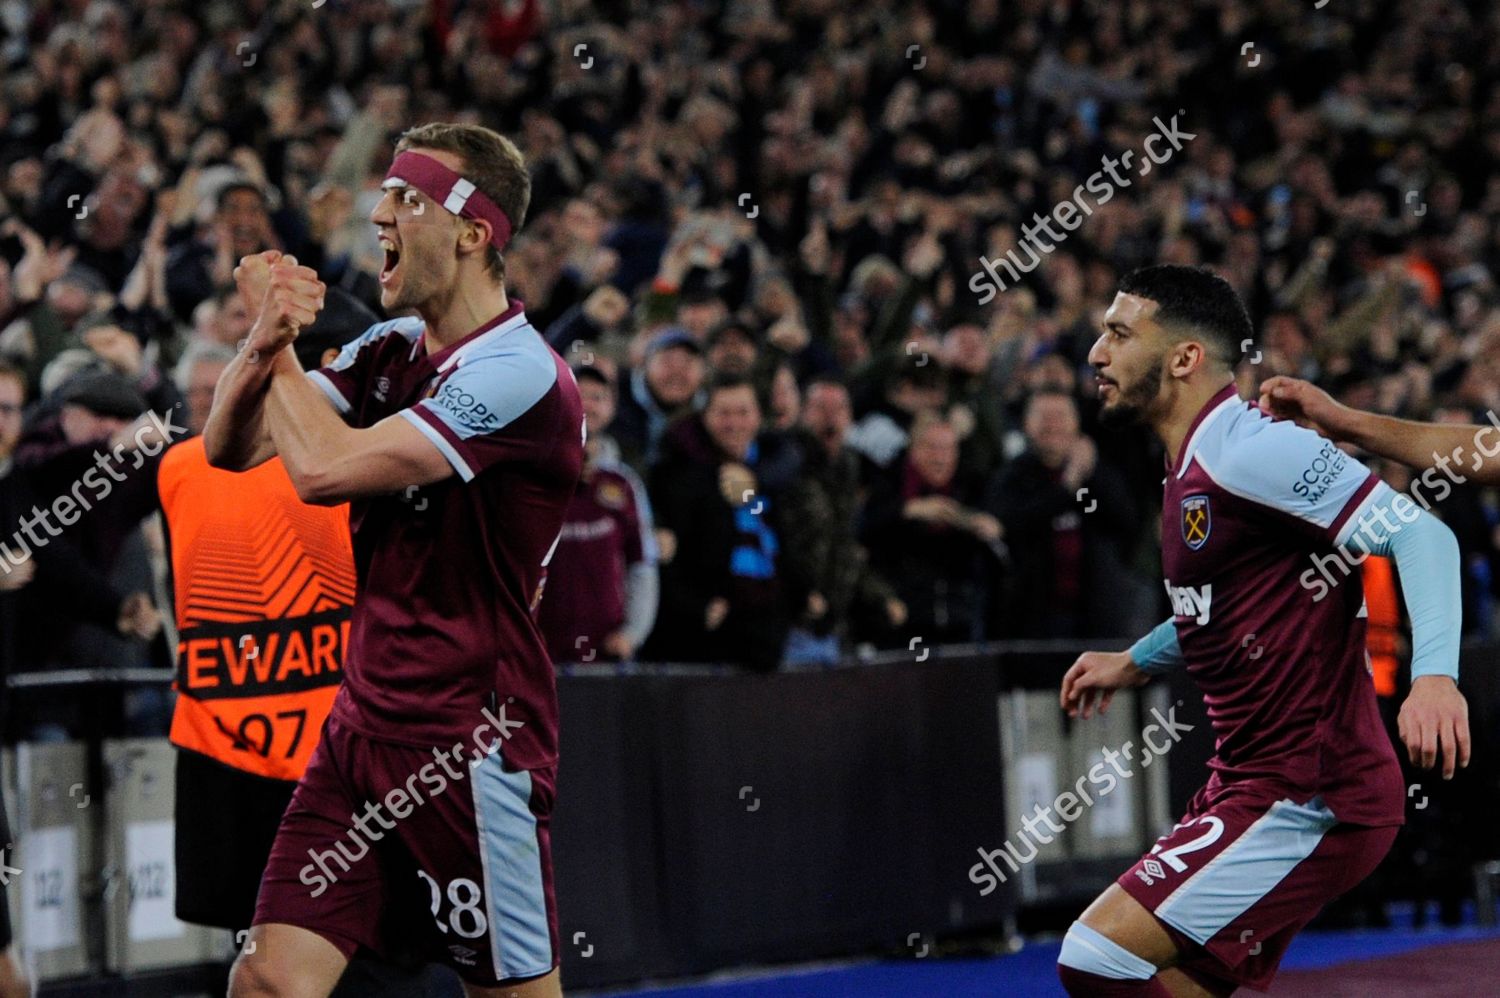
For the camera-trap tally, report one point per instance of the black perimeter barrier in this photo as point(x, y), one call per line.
point(708, 818)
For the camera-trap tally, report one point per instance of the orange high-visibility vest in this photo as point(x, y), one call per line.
point(263, 585)
point(1382, 638)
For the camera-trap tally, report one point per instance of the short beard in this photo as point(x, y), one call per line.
point(1130, 408)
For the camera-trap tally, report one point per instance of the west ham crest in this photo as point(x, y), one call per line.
point(1195, 521)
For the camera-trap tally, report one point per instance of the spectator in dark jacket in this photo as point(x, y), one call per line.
point(916, 385)
point(1072, 523)
point(666, 386)
point(717, 493)
point(44, 579)
point(827, 569)
point(926, 533)
point(97, 456)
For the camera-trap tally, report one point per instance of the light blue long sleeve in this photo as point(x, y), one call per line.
point(1158, 651)
point(1426, 556)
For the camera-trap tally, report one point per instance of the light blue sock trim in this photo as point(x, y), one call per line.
point(1089, 951)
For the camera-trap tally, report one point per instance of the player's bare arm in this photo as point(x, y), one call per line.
point(1418, 445)
point(287, 297)
point(331, 462)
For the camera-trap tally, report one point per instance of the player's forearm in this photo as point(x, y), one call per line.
point(235, 437)
point(310, 437)
point(1426, 445)
point(1158, 651)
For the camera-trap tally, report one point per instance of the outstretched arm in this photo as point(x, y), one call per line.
point(1418, 445)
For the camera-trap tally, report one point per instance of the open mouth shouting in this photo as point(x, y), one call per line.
point(392, 259)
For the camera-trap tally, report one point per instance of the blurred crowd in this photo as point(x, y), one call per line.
point(753, 230)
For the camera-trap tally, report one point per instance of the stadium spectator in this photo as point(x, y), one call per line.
point(1072, 525)
point(241, 226)
point(602, 584)
point(717, 489)
point(97, 426)
point(974, 398)
point(732, 347)
point(45, 576)
point(75, 607)
point(928, 535)
point(915, 386)
point(223, 318)
point(667, 385)
point(784, 400)
point(823, 557)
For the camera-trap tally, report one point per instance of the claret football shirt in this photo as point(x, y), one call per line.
point(449, 573)
point(1254, 517)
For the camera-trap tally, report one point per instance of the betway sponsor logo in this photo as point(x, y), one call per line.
point(1190, 601)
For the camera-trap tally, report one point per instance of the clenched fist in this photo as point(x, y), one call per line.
point(253, 275)
point(292, 299)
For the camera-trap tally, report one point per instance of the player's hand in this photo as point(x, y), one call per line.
point(1434, 724)
point(1306, 405)
point(1094, 678)
point(293, 299)
point(253, 276)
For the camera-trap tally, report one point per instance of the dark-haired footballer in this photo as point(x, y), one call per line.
point(1305, 795)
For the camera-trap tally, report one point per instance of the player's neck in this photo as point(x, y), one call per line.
point(471, 307)
point(1173, 426)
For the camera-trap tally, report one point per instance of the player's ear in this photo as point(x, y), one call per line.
point(475, 235)
point(1186, 357)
